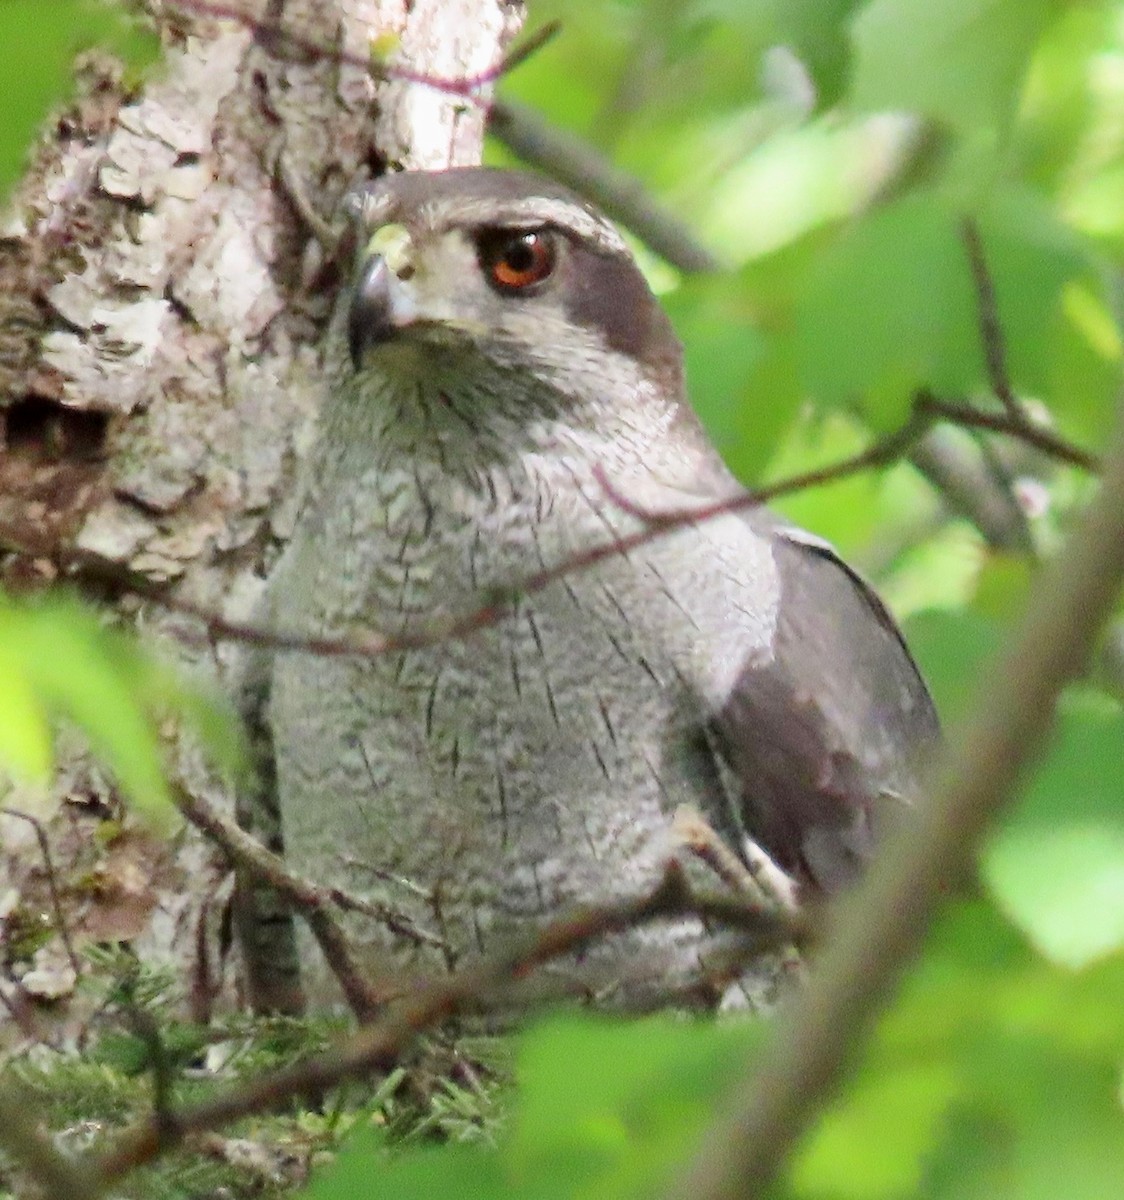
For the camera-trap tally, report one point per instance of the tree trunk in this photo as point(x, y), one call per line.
point(166, 279)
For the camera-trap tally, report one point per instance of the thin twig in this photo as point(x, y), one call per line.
point(379, 1045)
point(880, 928)
point(1021, 426)
point(927, 410)
point(246, 851)
point(52, 883)
point(531, 44)
point(991, 329)
point(283, 43)
point(880, 453)
point(374, 645)
point(54, 1172)
point(313, 903)
point(577, 164)
point(310, 901)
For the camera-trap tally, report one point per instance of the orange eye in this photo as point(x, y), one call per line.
point(514, 259)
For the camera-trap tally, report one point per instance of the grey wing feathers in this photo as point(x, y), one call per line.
point(829, 737)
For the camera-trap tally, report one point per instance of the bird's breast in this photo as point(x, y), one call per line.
point(534, 760)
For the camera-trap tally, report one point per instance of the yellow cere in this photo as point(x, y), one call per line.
point(392, 243)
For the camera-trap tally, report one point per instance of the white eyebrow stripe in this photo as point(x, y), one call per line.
point(532, 211)
point(377, 206)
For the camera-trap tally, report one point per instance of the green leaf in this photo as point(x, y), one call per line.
point(739, 384)
point(25, 736)
point(889, 308)
point(362, 1168)
point(49, 34)
point(1057, 865)
point(1065, 107)
point(1032, 259)
point(875, 1142)
point(816, 30)
point(954, 651)
point(939, 572)
point(1085, 369)
point(993, 1073)
point(614, 1106)
point(1002, 586)
point(854, 511)
point(60, 661)
point(960, 61)
point(892, 306)
point(81, 671)
point(607, 1109)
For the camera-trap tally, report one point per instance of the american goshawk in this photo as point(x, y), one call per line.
point(507, 394)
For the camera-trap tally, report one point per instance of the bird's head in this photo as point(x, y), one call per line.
point(478, 271)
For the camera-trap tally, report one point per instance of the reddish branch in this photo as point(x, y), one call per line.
point(86, 569)
point(1020, 427)
point(283, 43)
point(380, 1045)
point(317, 905)
point(313, 903)
point(991, 329)
point(52, 883)
point(927, 410)
point(1014, 420)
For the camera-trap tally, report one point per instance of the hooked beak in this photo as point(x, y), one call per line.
point(380, 302)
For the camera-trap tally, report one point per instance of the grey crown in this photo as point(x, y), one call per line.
point(474, 437)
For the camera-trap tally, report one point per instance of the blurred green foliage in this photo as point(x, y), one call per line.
point(994, 1074)
point(58, 661)
point(40, 40)
point(828, 152)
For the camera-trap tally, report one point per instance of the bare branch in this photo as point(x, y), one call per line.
point(284, 43)
point(379, 1045)
point(927, 409)
point(879, 454)
point(1018, 426)
point(52, 883)
point(244, 850)
point(991, 329)
point(313, 903)
point(577, 164)
point(880, 927)
point(372, 645)
point(529, 46)
point(54, 1172)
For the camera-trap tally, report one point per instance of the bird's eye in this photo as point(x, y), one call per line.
point(513, 259)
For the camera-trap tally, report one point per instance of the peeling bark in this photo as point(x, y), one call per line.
point(164, 297)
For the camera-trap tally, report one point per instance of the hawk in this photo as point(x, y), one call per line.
point(507, 396)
